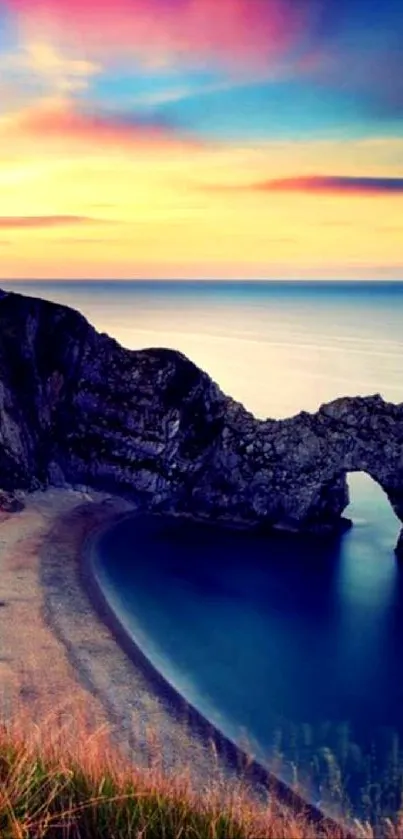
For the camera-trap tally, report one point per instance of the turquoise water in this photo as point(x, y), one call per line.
point(291, 648)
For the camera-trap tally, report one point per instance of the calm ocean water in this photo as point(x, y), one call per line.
point(292, 648)
point(277, 347)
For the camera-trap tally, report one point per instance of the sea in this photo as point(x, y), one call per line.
point(293, 651)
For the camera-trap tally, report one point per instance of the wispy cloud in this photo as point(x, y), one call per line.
point(23, 222)
point(60, 120)
point(40, 63)
point(336, 183)
point(75, 240)
point(348, 46)
point(325, 184)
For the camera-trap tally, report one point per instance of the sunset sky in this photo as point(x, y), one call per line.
point(201, 138)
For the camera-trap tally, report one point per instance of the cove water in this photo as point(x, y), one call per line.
point(292, 648)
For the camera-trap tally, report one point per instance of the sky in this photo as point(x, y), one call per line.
point(201, 139)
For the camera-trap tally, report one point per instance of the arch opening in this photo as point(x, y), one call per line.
point(370, 510)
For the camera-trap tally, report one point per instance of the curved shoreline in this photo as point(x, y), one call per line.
point(231, 757)
point(63, 672)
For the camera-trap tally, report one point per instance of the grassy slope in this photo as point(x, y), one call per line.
point(54, 785)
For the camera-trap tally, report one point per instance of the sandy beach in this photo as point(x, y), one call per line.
point(57, 655)
point(64, 663)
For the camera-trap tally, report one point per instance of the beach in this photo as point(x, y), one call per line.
point(56, 654)
point(66, 667)
point(65, 664)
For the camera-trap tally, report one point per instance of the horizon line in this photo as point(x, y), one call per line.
point(222, 280)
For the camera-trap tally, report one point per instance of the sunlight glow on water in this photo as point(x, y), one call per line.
point(278, 348)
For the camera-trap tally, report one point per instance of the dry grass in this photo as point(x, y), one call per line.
point(62, 781)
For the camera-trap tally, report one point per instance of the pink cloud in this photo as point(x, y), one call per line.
point(234, 32)
point(66, 123)
point(23, 222)
point(361, 185)
point(319, 184)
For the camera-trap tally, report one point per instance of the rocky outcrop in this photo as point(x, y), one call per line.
point(77, 408)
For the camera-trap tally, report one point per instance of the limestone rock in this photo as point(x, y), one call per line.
point(76, 408)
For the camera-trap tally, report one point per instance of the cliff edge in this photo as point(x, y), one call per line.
point(77, 408)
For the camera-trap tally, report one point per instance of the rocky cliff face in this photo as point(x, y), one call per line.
point(77, 408)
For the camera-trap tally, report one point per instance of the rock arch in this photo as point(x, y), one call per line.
point(76, 408)
point(310, 455)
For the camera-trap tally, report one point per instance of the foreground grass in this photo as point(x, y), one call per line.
point(53, 787)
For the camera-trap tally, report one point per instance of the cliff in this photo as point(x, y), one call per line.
point(77, 408)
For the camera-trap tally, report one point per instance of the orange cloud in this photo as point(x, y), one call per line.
point(334, 184)
point(65, 123)
point(22, 222)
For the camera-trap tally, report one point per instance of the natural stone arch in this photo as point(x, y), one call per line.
point(76, 408)
point(314, 453)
